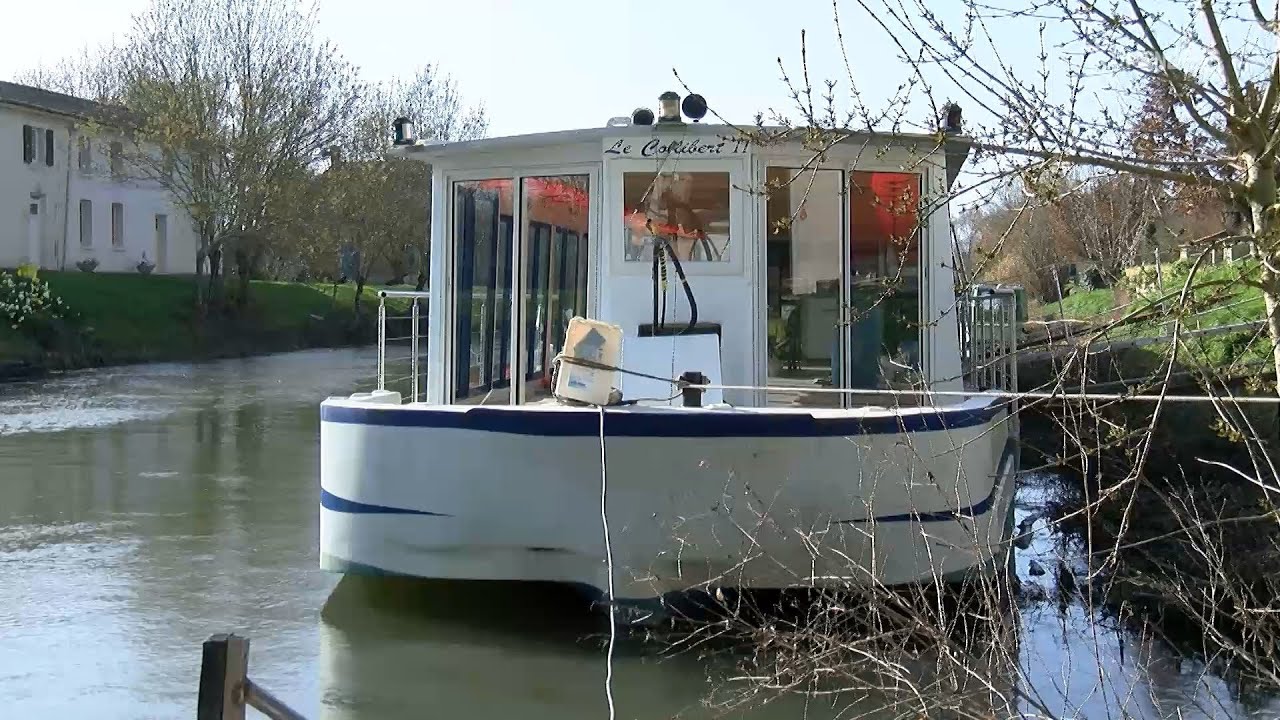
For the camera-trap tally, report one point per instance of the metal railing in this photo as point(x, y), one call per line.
point(989, 338)
point(415, 334)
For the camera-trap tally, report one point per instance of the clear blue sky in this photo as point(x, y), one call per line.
point(520, 56)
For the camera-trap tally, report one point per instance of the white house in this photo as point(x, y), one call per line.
point(65, 195)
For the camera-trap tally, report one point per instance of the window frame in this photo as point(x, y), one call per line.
point(28, 144)
point(117, 226)
point(739, 218)
point(84, 156)
point(86, 209)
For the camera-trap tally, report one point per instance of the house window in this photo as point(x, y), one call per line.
point(86, 223)
point(28, 144)
point(48, 147)
point(86, 158)
point(117, 225)
point(117, 161)
point(162, 242)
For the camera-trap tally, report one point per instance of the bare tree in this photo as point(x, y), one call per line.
point(238, 95)
point(1220, 61)
point(379, 206)
point(1108, 217)
point(85, 74)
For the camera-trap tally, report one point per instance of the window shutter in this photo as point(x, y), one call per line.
point(28, 144)
point(48, 148)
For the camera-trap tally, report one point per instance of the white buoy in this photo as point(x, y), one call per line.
point(597, 342)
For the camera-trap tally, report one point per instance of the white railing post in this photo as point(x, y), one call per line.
point(415, 337)
point(413, 351)
point(382, 342)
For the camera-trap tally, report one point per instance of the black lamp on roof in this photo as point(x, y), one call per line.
point(951, 118)
point(669, 107)
point(402, 128)
point(694, 106)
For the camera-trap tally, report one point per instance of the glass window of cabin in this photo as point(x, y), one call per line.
point(482, 232)
point(804, 240)
point(690, 210)
point(884, 295)
point(555, 215)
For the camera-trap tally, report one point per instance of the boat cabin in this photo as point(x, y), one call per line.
point(755, 258)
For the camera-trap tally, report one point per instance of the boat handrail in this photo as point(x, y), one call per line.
point(415, 318)
point(989, 338)
point(404, 294)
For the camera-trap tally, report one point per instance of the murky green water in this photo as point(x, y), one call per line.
point(144, 508)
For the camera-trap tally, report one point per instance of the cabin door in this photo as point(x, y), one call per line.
point(521, 261)
point(841, 283)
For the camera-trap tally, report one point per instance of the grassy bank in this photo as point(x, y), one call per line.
point(126, 318)
point(1146, 303)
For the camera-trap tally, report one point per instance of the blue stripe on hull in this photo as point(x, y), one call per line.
point(329, 501)
point(681, 424)
point(982, 507)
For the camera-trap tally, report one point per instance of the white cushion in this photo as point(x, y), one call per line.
point(669, 356)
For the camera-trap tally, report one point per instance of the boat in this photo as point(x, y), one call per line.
point(798, 388)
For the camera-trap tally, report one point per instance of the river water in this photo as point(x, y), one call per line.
point(144, 508)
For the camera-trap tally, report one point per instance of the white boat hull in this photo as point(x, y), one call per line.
point(755, 497)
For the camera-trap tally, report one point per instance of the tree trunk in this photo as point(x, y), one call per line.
point(355, 304)
point(1271, 294)
point(215, 276)
point(202, 260)
point(244, 273)
point(1261, 183)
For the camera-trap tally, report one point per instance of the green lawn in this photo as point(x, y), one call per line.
point(1082, 305)
point(1217, 297)
point(132, 317)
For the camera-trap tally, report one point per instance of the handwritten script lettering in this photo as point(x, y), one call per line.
point(658, 147)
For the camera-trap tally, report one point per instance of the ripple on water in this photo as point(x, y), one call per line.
point(59, 419)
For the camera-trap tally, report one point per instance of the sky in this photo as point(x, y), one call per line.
point(540, 65)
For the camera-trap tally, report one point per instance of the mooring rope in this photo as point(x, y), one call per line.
point(608, 558)
point(1009, 394)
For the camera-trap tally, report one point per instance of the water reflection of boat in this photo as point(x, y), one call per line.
point(407, 648)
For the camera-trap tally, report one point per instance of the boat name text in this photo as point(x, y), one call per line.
point(657, 147)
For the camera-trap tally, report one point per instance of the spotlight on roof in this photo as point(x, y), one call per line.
point(669, 107)
point(642, 116)
point(951, 118)
point(694, 106)
point(403, 131)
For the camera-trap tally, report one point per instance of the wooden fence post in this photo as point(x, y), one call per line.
point(224, 668)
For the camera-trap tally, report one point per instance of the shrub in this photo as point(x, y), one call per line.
point(26, 300)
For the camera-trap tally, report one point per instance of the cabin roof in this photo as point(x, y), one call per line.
point(955, 147)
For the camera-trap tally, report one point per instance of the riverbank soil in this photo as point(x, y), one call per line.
point(116, 319)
